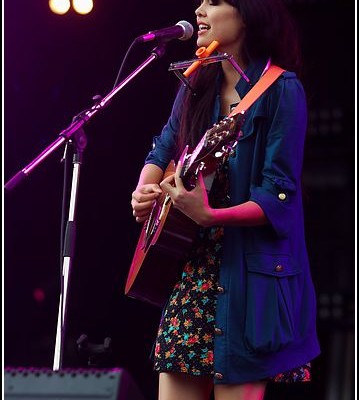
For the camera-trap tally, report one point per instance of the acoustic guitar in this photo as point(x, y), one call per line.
point(168, 234)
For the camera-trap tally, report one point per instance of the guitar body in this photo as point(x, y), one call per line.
point(160, 255)
point(168, 235)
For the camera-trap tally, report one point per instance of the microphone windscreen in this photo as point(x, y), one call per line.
point(187, 29)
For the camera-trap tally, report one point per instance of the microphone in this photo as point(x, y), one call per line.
point(183, 30)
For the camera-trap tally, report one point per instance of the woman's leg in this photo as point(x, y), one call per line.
point(177, 386)
point(246, 391)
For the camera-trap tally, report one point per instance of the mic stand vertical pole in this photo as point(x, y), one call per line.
point(80, 141)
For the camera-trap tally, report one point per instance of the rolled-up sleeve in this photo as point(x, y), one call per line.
point(277, 194)
point(164, 145)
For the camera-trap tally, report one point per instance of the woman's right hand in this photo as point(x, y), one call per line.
point(143, 199)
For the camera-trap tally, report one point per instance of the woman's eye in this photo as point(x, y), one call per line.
point(209, 2)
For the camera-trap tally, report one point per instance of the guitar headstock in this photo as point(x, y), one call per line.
point(227, 131)
point(218, 141)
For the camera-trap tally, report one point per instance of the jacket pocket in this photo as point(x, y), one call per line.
point(270, 302)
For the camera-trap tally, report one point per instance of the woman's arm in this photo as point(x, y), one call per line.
point(245, 214)
point(195, 205)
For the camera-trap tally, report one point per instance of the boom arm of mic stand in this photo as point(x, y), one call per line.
point(83, 118)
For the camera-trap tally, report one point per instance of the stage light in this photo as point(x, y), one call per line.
point(82, 6)
point(59, 6)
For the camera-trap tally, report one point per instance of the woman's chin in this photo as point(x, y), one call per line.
point(203, 42)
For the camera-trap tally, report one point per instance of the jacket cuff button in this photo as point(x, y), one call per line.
point(282, 196)
point(218, 331)
point(220, 289)
point(218, 375)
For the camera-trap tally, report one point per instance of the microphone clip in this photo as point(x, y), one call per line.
point(159, 50)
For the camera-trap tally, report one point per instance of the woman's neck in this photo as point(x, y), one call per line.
point(229, 94)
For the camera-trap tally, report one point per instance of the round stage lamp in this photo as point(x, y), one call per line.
point(82, 6)
point(59, 6)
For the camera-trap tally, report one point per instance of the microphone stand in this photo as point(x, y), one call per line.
point(76, 134)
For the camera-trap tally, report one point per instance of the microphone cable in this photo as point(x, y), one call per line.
point(123, 62)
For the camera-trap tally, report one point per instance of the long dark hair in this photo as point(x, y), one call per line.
point(270, 32)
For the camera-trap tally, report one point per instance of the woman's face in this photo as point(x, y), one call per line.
point(218, 20)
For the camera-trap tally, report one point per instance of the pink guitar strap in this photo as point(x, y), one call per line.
point(264, 82)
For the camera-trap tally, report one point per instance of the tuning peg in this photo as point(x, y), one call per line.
point(233, 149)
point(201, 167)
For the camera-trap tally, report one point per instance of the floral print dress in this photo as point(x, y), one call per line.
point(185, 340)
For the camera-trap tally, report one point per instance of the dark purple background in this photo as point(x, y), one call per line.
point(53, 67)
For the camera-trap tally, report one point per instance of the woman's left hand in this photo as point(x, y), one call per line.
point(192, 203)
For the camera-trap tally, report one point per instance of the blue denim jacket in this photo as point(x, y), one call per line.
point(267, 310)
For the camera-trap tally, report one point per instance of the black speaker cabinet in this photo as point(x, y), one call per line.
point(69, 384)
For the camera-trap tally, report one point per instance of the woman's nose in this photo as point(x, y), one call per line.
point(200, 11)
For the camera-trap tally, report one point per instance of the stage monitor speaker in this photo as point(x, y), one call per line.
point(69, 384)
